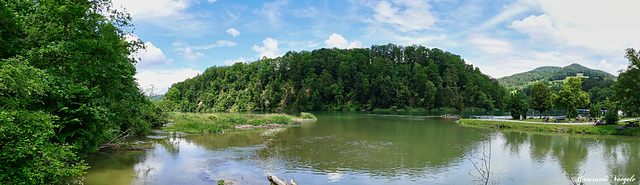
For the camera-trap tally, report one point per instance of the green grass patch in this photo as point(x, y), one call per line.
point(574, 129)
point(218, 122)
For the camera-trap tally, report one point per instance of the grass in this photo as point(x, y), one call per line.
point(575, 129)
point(218, 122)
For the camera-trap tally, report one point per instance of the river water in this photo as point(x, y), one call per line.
point(372, 148)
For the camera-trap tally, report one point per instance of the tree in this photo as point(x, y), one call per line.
point(571, 97)
point(66, 86)
point(627, 88)
point(517, 105)
point(541, 97)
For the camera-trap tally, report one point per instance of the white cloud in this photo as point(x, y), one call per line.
point(150, 9)
point(489, 45)
point(190, 55)
point(338, 41)
point(233, 32)
point(269, 48)
point(604, 26)
point(162, 79)
point(220, 43)
point(233, 61)
point(404, 15)
point(537, 27)
point(611, 68)
point(272, 11)
point(150, 57)
point(212, 1)
point(309, 12)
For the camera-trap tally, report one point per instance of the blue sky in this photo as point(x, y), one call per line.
point(185, 37)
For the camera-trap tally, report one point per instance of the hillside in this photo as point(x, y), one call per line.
point(386, 76)
point(550, 73)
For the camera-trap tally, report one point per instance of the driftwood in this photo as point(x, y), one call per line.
point(247, 127)
point(450, 116)
point(274, 180)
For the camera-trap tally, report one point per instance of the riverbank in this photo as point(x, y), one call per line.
point(222, 122)
point(573, 128)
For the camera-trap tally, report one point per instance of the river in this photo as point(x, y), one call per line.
point(371, 148)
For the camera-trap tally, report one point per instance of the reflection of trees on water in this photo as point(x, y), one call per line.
point(540, 147)
point(514, 140)
point(622, 159)
point(371, 144)
point(225, 140)
point(571, 153)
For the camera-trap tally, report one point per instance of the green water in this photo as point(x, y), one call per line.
point(365, 148)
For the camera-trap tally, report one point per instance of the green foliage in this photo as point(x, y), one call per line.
point(517, 106)
point(280, 119)
point(611, 116)
point(28, 155)
point(65, 70)
point(197, 123)
point(595, 110)
point(571, 97)
point(627, 88)
point(306, 115)
point(541, 97)
point(380, 77)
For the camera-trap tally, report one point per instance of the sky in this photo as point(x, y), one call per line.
point(185, 37)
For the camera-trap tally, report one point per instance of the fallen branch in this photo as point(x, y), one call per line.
point(274, 180)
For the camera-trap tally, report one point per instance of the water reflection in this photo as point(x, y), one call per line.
point(359, 148)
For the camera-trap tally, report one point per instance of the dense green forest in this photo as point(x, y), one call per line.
point(549, 74)
point(66, 86)
point(386, 76)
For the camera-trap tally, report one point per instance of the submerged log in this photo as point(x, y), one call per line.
point(274, 180)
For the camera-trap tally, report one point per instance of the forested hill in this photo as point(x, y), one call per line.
point(386, 76)
point(550, 73)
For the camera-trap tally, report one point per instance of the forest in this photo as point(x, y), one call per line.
point(380, 77)
point(66, 86)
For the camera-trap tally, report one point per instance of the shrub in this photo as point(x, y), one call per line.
point(279, 119)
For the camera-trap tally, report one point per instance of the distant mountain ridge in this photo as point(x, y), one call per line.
point(551, 73)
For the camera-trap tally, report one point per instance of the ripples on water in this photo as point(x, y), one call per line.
point(357, 148)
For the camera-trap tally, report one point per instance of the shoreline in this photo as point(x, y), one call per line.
point(571, 128)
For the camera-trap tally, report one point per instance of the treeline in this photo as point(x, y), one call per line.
point(386, 76)
point(66, 86)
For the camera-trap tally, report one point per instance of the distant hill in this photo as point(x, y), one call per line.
point(550, 73)
point(157, 97)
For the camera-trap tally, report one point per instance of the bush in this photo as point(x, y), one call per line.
point(612, 116)
point(280, 119)
point(306, 115)
point(28, 156)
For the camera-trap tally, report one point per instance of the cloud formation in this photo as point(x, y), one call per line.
point(269, 48)
point(233, 32)
point(337, 41)
point(404, 15)
point(162, 79)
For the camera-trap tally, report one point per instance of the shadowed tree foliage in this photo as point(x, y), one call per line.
point(386, 76)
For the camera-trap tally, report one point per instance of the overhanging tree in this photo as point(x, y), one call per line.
point(627, 88)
